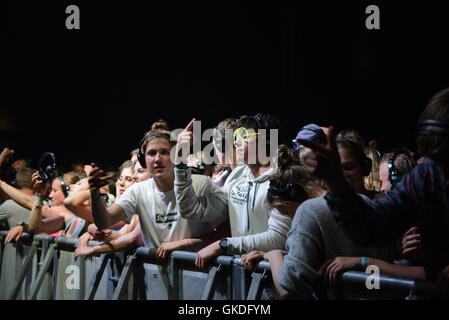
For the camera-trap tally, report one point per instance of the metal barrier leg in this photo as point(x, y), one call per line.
point(209, 290)
point(255, 289)
point(40, 277)
point(124, 278)
point(96, 278)
point(173, 293)
point(139, 287)
point(1, 254)
point(238, 283)
point(23, 272)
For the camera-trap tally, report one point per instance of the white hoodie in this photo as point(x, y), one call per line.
point(253, 226)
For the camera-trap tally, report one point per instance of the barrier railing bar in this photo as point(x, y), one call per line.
point(358, 278)
point(24, 270)
point(40, 277)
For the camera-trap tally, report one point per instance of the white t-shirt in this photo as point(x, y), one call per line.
point(159, 219)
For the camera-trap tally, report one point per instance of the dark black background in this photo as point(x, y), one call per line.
point(89, 94)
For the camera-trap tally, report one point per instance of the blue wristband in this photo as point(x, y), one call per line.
point(38, 198)
point(364, 263)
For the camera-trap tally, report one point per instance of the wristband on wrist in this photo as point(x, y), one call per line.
point(181, 166)
point(39, 198)
point(364, 263)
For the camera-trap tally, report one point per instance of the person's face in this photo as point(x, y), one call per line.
point(19, 164)
point(352, 169)
point(81, 185)
point(56, 195)
point(246, 149)
point(157, 158)
point(125, 180)
point(78, 168)
point(384, 177)
point(140, 174)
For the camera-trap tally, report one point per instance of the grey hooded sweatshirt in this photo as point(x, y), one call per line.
point(253, 225)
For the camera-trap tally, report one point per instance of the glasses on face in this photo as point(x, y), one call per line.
point(242, 134)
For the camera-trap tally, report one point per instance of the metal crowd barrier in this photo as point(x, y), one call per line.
point(43, 267)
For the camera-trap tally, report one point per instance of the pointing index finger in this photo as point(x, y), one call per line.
point(312, 145)
point(190, 125)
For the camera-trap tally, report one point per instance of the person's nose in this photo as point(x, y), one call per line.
point(158, 158)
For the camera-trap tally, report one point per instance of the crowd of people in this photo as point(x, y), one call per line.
point(327, 203)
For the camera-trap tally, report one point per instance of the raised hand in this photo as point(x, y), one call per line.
point(325, 160)
point(6, 153)
point(97, 179)
point(184, 141)
point(39, 186)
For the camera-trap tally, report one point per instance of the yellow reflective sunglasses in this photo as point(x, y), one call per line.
point(243, 134)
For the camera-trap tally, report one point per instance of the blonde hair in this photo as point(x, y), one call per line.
point(372, 181)
point(127, 164)
point(70, 178)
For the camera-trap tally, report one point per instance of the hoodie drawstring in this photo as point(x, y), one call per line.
point(247, 206)
point(247, 203)
point(255, 193)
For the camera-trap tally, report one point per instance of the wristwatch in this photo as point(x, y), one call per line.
point(23, 224)
point(223, 245)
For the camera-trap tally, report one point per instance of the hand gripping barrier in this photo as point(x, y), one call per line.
point(42, 267)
